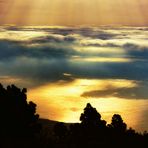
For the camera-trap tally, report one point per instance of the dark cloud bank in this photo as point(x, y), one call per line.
point(138, 92)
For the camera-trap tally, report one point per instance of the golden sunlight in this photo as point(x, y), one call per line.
point(78, 12)
point(21, 35)
point(63, 101)
point(102, 59)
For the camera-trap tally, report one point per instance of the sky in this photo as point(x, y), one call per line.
point(74, 12)
point(71, 52)
point(64, 68)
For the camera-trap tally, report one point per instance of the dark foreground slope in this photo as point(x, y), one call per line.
point(93, 132)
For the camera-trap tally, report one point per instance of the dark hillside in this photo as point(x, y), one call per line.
point(21, 127)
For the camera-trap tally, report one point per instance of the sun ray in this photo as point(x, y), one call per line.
point(68, 12)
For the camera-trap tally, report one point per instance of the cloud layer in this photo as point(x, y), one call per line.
point(43, 55)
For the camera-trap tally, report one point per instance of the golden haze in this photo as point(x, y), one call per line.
point(63, 101)
point(77, 12)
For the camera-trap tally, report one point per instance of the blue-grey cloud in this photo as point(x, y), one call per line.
point(96, 34)
point(45, 58)
point(13, 49)
point(137, 51)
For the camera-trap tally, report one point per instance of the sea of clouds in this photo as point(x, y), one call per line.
point(34, 56)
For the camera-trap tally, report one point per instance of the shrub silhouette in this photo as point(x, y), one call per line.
point(117, 123)
point(18, 117)
point(90, 116)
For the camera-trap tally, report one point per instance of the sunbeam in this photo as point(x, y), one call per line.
point(78, 12)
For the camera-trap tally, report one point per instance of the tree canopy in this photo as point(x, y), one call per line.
point(18, 117)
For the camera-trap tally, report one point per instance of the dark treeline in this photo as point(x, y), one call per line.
point(93, 132)
point(20, 127)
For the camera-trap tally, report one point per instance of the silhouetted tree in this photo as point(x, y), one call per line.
point(90, 116)
point(117, 123)
point(18, 117)
point(93, 132)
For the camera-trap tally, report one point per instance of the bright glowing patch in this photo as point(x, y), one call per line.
point(68, 95)
point(20, 35)
point(101, 59)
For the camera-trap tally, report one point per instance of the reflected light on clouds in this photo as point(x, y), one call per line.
point(20, 35)
point(101, 59)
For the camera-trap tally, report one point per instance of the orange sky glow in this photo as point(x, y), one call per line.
point(77, 12)
point(68, 104)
